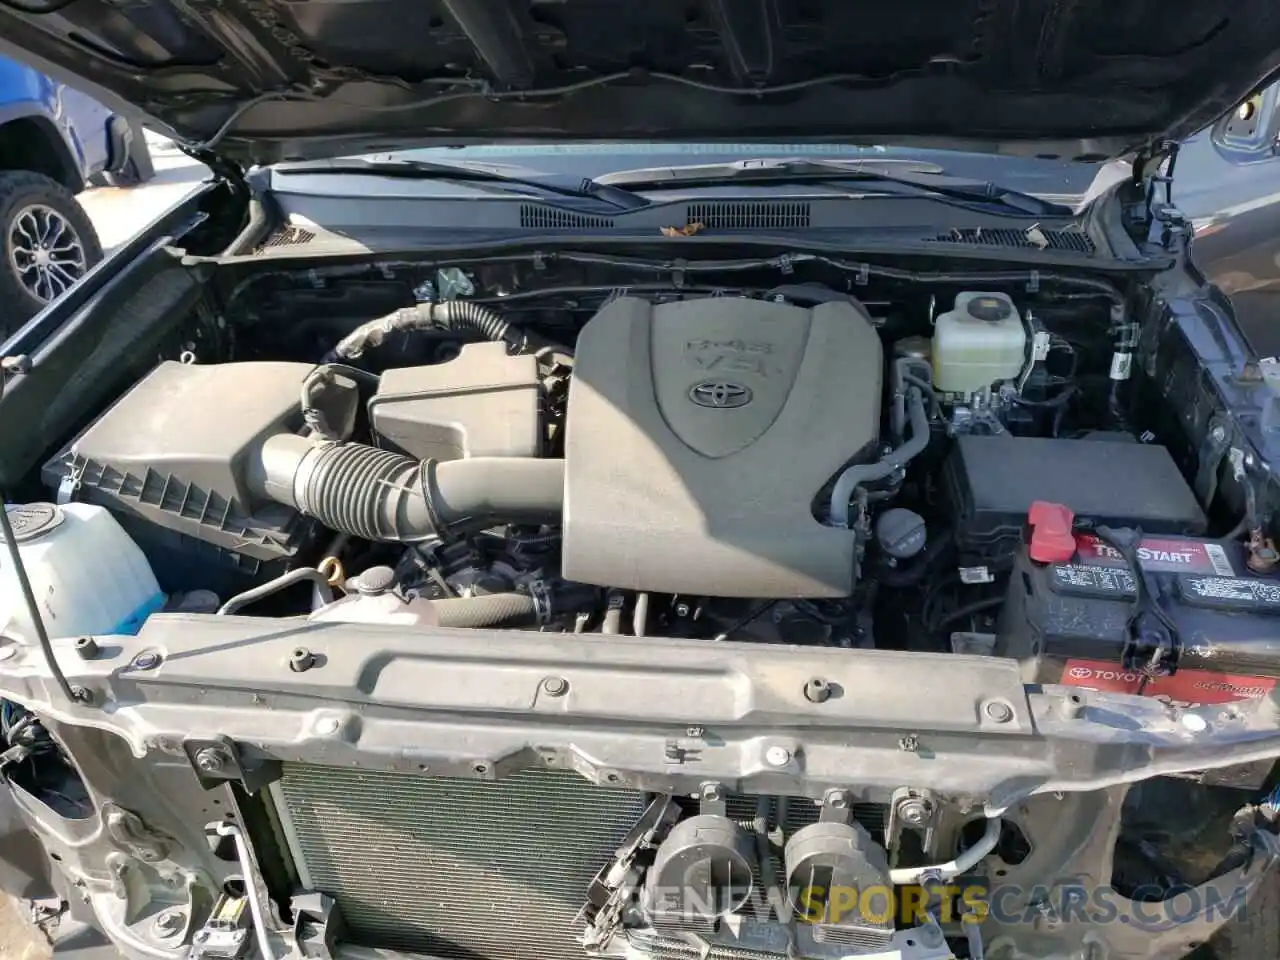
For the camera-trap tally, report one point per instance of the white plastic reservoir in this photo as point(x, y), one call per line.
point(980, 342)
point(87, 575)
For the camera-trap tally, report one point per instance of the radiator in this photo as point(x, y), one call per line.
point(456, 868)
point(467, 869)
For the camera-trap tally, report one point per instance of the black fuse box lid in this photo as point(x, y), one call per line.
point(992, 481)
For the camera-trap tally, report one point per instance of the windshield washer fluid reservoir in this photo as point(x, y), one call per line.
point(979, 342)
point(87, 575)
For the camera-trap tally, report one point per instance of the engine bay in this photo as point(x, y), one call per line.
point(791, 465)
point(807, 497)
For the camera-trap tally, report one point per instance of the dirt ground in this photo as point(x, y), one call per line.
point(19, 940)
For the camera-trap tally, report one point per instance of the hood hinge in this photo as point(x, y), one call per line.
point(1152, 167)
point(228, 171)
point(1147, 174)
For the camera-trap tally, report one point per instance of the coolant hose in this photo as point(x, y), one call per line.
point(485, 611)
point(380, 495)
point(861, 473)
point(454, 315)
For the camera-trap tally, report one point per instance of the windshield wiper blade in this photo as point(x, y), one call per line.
point(558, 184)
point(920, 178)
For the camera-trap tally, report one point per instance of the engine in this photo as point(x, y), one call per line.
point(698, 435)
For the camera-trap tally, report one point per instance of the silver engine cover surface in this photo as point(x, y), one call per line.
point(699, 433)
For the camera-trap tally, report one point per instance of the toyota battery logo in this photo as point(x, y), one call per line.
point(720, 394)
point(1080, 673)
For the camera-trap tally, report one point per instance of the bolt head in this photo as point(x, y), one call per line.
point(1219, 433)
point(327, 725)
point(169, 922)
point(777, 756)
point(210, 760)
point(914, 812)
point(817, 690)
point(1194, 723)
point(146, 661)
point(555, 686)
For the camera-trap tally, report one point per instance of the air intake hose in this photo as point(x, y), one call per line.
point(380, 495)
point(455, 315)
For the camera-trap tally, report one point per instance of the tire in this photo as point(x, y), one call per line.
point(1255, 935)
point(139, 168)
point(32, 204)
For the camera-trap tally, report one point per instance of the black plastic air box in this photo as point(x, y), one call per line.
point(168, 459)
point(991, 482)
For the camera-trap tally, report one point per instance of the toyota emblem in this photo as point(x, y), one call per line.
point(1080, 673)
point(720, 394)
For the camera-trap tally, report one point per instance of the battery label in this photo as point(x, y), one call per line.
point(1186, 688)
point(1101, 583)
point(1231, 593)
point(1161, 555)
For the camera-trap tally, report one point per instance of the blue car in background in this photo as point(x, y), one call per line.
point(53, 142)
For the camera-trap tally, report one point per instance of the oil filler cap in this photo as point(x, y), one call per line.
point(1051, 538)
point(30, 521)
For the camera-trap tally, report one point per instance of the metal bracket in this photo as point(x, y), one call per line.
point(218, 761)
point(836, 807)
point(711, 800)
point(912, 810)
point(317, 925)
point(1212, 450)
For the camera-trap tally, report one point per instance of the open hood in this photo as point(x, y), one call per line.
point(265, 80)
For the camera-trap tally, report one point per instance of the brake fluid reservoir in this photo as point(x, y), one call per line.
point(979, 342)
point(87, 575)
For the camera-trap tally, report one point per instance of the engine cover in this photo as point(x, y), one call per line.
point(700, 432)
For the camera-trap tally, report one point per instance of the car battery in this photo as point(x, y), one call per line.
point(1069, 622)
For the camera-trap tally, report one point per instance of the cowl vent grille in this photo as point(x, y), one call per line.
point(768, 215)
point(534, 217)
point(1034, 238)
point(287, 237)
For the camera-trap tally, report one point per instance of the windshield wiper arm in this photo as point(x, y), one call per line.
point(920, 178)
point(559, 184)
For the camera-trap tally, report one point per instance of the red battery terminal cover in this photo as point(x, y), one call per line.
point(1052, 540)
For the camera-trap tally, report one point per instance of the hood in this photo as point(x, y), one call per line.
point(264, 80)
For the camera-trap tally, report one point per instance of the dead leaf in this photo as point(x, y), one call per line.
point(686, 231)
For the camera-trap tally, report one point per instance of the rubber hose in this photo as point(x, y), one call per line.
point(908, 575)
point(455, 315)
point(380, 495)
point(861, 473)
point(485, 611)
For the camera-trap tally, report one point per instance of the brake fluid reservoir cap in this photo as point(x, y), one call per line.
point(1052, 540)
point(30, 521)
point(990, 309)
